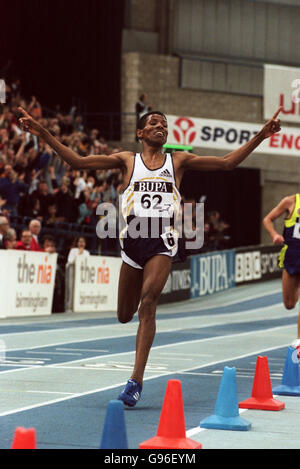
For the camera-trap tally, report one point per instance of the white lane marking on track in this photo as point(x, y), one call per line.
point(82, 349)
point(224, 303)
point(219, 321)
point(48, 392)
point(106, 388)
point(56, 353)
point(175, 344)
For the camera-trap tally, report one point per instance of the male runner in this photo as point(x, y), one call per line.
point(147, 262)
point(289, 257)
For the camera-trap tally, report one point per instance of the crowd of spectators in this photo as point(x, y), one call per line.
point(35, 182)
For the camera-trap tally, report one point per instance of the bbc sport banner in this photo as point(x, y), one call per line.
point(27, 282)
point(256, 264)
point(96, 283)
point(227, 135)
point(282, 88)
point(212, 272)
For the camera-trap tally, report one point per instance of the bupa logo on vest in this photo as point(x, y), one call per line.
point(153, 186)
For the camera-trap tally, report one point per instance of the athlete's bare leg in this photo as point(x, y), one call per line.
point(155, 276)
point(290, 293)
point(129, 293)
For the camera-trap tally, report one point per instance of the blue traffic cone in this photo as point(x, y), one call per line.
point(226, 414)
point(290, 385)
point(114, 434)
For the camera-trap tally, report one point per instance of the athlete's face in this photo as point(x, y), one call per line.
point(155, 132)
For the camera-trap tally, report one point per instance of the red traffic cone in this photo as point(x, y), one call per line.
point(171, 432)
point(24, 438)
point(262, 396)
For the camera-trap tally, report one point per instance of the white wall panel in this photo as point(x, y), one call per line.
point(228, 37)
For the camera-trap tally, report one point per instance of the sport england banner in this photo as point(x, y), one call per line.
point(96, 283)
point(27, 282)
point(282, 88)
point(257, 263)
point(212, 272)
point(227, 135)
point(178, 285)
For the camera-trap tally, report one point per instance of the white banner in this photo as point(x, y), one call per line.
point(96, 283)
point(282, 88)
point(26, 283)
point(227, 135)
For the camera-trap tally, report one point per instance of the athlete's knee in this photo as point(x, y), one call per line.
point(124, 319)
point(290, 303)
point(148, 303)
point(125, 313)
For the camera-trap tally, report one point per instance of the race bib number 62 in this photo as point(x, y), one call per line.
point(153, 199)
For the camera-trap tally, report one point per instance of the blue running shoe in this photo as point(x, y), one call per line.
point(131, 393)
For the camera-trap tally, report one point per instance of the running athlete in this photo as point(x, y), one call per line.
point(289, 257)
point(151, 180)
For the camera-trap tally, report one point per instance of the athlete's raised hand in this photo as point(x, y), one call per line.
point(273, 125)
point(28, 124)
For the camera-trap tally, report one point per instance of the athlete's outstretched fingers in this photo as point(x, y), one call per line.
point(25, 114)
point(277, 112)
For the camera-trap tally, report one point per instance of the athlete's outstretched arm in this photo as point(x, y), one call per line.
point(284, 206)
point(28, 124)
point(233, 159)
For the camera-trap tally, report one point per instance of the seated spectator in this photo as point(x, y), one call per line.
point(80, 183)
point(66, 124)
point(78, 250)
point(67, 209)
point(218, 232)
point(52, 217)
point(35, 229)
point(24, 244)
point(33, 179)
point(35, 108)
point(10, 189)
point(59, 288)
point(86, 208)
point(78, 125)
point(30, 207)
point(10, 239)
point(4, 227)
point(48, 244)
point(45, 199)
point(2, 202)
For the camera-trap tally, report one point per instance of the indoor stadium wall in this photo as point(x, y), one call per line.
point(168, 68)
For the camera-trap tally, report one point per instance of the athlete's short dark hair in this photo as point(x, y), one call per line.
point(142, 121)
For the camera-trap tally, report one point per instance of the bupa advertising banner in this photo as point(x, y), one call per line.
point(212, 272)
point(27, 282)
point(227, 135)
point(282, 88)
